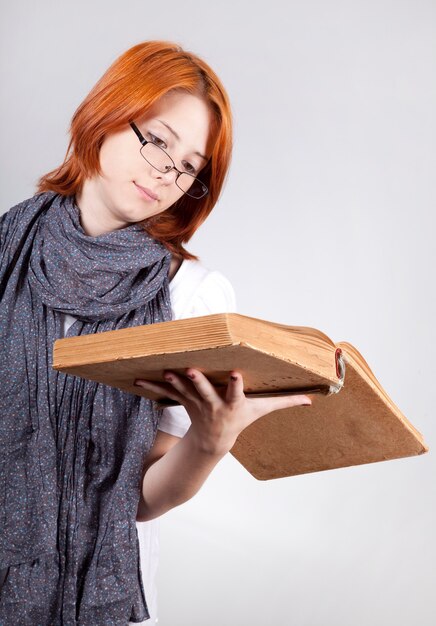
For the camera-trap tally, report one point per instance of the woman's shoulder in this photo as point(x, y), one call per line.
point(198, 290)
point(29, 206)
point(15, 229)
point(18, 218)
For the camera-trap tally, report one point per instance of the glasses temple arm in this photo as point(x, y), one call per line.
point(138, 133)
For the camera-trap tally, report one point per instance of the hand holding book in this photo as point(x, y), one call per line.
point(218, 414)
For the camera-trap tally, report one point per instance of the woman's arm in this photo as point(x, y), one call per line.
point(217, 416)
point(174, 477)
point(162, 445)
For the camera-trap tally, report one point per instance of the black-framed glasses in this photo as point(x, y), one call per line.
point(162, 162)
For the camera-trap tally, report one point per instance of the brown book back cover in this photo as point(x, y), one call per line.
point(357, 425)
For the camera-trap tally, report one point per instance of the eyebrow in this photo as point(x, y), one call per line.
point(178, 138)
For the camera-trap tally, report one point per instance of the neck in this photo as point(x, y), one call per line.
point(95, 219)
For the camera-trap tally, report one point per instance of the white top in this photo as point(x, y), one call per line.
point(194, 291)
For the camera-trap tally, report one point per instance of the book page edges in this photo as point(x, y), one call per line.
point(201, 333)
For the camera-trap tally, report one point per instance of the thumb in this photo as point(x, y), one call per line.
point(275, 403)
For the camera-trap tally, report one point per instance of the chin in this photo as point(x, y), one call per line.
point(135, 214)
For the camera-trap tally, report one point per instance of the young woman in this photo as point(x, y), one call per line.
point(100, 247)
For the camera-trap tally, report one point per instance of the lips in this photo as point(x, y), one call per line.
point(146, 193)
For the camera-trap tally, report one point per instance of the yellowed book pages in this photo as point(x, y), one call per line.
point(351, 421)
point(273, 358)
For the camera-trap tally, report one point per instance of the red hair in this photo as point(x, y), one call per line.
point(130, 86)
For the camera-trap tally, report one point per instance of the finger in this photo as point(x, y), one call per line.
point(163, 390)
point(182, 384)
point(204, 387)
point(235, 388)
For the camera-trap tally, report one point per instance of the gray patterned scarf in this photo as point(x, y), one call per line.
point(72, 451)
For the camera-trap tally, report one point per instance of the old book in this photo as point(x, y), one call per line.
point(351, 421)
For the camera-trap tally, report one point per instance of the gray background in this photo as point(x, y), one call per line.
point(327, 220)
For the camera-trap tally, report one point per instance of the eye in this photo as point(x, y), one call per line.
point(156, 140)
point(189, 168)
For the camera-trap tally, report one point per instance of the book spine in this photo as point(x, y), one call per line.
point(340, 371)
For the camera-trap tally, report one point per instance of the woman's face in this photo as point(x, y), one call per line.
point(128, 188)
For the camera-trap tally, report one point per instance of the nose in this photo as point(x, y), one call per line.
point(167, 178)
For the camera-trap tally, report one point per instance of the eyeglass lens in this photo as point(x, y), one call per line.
point(161, 161)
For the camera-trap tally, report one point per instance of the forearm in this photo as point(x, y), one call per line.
point(176, 477)
point(218, 416)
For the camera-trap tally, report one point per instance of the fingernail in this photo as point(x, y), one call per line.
point(168, 377)
point(233, 377)
point(191, 376)
point(306, 404)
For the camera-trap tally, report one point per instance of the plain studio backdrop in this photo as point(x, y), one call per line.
point(327, 220)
